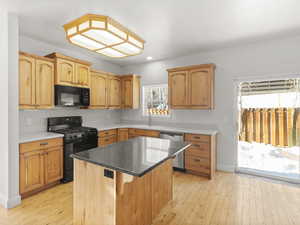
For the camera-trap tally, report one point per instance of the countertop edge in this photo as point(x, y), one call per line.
point(74, 156)
point(166, 129)
point(26, 139)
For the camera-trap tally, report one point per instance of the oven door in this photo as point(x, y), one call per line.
point(71, 96)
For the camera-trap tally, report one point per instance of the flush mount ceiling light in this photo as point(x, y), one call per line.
point(103, 35)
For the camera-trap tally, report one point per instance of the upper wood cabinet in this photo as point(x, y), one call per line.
point(65, 72)
point(130, 97)
point(192, 87)
point(44, 84)
point(178, 89)
point(82, 75)
point(36, 81)
point(98, 90)
point(114, 92)
point(70, 71)
point(26, 81)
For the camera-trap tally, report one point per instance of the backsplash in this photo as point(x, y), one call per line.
point(31, 121)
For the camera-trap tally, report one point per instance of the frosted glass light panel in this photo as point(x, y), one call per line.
point(103, 35)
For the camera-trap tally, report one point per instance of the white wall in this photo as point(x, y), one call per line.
point(257, 59)
point(36, 120)
point(9, 151)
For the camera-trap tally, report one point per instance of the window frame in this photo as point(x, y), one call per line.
point(144, 113)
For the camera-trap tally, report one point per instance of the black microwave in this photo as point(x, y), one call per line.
point(71, 96)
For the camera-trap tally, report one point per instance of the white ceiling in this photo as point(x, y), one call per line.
point(170, 27)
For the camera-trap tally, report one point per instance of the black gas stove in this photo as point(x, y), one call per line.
point(76, 139)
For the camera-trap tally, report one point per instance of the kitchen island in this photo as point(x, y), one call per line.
point(126, 183)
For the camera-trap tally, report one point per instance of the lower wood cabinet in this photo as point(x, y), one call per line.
point(122, 134)
point(107, 137)
point(41, 165)
point(200, 156)
point(141, 132)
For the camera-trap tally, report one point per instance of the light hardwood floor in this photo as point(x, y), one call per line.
point(229, 199)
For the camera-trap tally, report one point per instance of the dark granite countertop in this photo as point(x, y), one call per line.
point(136, 156)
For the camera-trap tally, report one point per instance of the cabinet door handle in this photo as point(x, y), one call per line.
point(43, 143)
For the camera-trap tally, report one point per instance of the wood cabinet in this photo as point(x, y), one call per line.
point(31, 171)
point(41, 165)
point(122, 134)
point(107, 137)
point(105, 90)
point(200, 156)
point(36, 82)
point(191, 87)
point(70, 71)
point(98, 90)
point(142, 132)
point(114, 92)
point(130, 96)
point(53, 164)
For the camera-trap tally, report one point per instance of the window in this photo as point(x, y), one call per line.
point(155, 100)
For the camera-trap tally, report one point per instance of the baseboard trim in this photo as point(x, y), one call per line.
point(11, 202)
point(226, 167)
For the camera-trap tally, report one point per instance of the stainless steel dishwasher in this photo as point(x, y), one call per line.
point(178, 161)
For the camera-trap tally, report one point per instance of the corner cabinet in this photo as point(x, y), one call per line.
point(41, 165)
point(191, 87)
point(36, 80)
point(130, 96)
point(71, 71)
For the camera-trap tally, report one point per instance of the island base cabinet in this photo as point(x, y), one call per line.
point(120, 199)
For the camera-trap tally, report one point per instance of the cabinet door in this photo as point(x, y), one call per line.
point(178, 93)
point(26, 82)
point(127, 89)
point(31, 171)
point(200, 88)
point(82, 75)
point(53, 164)
point(114, 92)
point(98, 91)
point(44, 84)
point(65, 72)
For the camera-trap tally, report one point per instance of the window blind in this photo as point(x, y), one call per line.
point(269, 87)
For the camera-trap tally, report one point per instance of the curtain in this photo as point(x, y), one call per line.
point(275, 126)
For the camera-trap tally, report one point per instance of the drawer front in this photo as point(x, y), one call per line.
point(42, 144)
point(198, 164)
point(197, 138)
point(106, 133)
point(103, 141)
point(131, 131)
point(147, 133)
point(191, 151)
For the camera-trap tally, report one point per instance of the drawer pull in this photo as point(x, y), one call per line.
point(197, 160)
point(43, 143)
point(195, 145)
point(197, 137)
point(106, 139)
